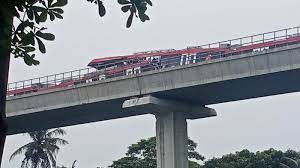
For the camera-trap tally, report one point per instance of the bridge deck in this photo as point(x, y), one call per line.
point(238, 77)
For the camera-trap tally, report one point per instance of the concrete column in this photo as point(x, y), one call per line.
point(171, 140)
point(171, 126)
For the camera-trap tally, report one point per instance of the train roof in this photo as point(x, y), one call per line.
point(169, 52)
point(105, 59)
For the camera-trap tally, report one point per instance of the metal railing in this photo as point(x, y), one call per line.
point(86, 75)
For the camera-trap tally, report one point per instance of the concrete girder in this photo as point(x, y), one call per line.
point(153, 105)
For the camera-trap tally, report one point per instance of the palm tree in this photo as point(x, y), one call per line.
point(41, 152)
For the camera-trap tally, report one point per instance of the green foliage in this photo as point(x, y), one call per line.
point(143, 154)
point(29, 34)
point(136, 8)
point(193, 164)
point(41, 152)
point(245, 159)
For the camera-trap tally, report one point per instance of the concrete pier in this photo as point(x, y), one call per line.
point(171, 140)
point(171, 127)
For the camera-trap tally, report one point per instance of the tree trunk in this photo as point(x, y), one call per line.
point(6, 21)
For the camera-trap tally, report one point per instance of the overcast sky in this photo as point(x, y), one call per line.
point(256, 124)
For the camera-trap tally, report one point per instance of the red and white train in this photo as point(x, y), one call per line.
point(110, 67)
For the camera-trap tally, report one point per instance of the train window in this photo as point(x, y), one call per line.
point(201, 56)
point(155, 58)
point(266, 48)
point(257, 50)
point(217, 54)
point(188, 59)
point(193, 57)
point(19, 93)
point(110, 67)
point(182, 59)
point(137, 70)
point(129, 72)
point(134, 61)
point(102, 77)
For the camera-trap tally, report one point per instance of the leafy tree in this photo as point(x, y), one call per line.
point(41, 152)
point(245, 159)
point(22, 38)
point(143, 154)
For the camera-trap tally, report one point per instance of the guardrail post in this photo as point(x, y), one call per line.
point(47, 82)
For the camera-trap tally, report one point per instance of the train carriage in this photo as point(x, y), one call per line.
point(110, 67)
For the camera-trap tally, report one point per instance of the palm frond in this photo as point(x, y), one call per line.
point(295, 162)
point(73, 165)
point(24, 163)
point(56, 132)
point(57, 141)
point(21, 150)
point(284, 165)
point(45, 160)
point(51, 148)
point(41, 159)
point(52, 158)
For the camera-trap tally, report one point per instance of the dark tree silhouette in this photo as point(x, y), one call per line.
point(41, 151)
